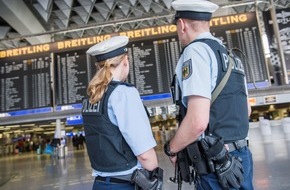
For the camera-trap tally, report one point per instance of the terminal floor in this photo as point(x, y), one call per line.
point(30, 171)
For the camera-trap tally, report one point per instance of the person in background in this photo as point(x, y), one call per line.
point(81, 140)
point(220, 129)
point(118, 135)
point(21, 147)
point(75, 141)
point(63, 141)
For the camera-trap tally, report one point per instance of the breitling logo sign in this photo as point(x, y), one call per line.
point(81, 42)
point(132, 34)
point(227, 20)
point(85, 42)
point(25, 50)
point(150, 31)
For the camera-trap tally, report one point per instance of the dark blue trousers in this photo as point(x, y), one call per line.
point(107, 185)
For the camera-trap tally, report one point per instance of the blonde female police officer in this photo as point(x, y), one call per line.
point(118, 134)
point(199, 70)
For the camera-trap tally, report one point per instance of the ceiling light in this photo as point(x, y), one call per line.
point(28, 125)
point(46, 125)
point(12, 126)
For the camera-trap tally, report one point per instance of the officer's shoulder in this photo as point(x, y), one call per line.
point(198, 46)
point(128, 84)
point(124, 87)
point(204, 42)
point(122, 83)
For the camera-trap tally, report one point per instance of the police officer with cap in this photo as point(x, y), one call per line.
point(201, 67)
point(117, 130)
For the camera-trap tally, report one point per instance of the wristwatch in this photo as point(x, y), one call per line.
point(167, 150)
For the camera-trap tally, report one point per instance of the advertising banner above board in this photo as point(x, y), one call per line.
point(87, 41)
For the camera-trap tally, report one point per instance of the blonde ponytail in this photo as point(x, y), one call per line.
point(99, 83)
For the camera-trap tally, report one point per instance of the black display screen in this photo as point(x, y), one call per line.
point(25, 83)
point(73, 73)
point(241, 31)
point(153, 64)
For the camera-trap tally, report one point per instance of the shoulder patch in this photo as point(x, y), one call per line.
point(186, 69)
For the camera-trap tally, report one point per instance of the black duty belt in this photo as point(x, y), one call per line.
point(111, 179)
point(237, 145)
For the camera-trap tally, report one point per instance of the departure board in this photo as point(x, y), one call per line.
point(25, 82)
point(241, 31)
point(72, 76)
point(153, 64)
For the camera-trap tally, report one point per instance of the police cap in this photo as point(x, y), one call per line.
point(194, 9)
point(109, 48)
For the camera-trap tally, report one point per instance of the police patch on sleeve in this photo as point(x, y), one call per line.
point(186, 69)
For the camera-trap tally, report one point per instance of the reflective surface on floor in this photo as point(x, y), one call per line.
point(30, 171)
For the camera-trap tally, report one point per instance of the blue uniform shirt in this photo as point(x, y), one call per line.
point(126, 110)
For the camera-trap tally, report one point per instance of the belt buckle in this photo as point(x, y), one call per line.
point(237, 145)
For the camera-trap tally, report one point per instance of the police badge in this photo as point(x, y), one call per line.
point(186, 69)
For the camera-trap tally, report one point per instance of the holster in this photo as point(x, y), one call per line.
point(199, 162)
point(146, 180)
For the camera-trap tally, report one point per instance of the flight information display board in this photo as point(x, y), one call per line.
point(241, 31)
point(72, 76)
point(153, 65)
point(153, 54)
point(25, 82)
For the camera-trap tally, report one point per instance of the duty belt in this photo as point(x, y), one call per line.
point(111, 179)
point(237, 145)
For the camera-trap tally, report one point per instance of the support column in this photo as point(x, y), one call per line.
point(279, 44)
point(57, 132)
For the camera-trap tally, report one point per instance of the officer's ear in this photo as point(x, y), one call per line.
point(125, 60)
point(182, 24)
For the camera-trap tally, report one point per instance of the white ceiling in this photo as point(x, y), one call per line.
point(30, 22)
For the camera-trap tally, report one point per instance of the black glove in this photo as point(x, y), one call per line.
point(230, 173)
point(228, 169)
point(147, 180)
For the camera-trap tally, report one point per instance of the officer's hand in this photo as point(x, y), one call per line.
point(173, 160)
point(230, 173)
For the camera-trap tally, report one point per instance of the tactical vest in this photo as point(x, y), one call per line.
point(107, 149)
point(229, 112)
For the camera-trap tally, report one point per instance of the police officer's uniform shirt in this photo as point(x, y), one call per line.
point(197, 69)
point(126, 110)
